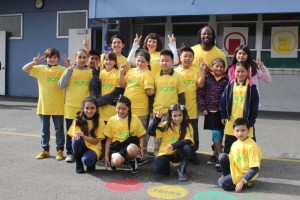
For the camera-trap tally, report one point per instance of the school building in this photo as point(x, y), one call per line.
point(270, 28)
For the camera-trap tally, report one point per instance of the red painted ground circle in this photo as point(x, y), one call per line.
point(124, 185)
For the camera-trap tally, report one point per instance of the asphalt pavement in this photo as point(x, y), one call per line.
point(24, 177)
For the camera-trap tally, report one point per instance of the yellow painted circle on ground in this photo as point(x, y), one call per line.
point(167, 192)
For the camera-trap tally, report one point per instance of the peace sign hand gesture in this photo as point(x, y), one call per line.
point(37, 59)
point(203, 66)
point(172, 39)
point(259, 63)
point(137, 39)
point(86, 42)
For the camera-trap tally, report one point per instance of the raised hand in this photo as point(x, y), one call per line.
point(137, 39)
point(259, 63)
point(37, 59)
point(86, 42)
point(203, 66)
point(172, 39)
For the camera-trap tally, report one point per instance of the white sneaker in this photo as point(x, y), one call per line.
point(69, 158)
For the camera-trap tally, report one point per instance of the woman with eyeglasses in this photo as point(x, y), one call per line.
point(176, 140)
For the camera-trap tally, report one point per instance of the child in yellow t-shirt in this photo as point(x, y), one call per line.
point(177, 138)
point(109, 77)
point(190, 76)
point(241, 166)
point(239, 99)
point(86, 132)
point(124, 135)
point(139, 85)
point(76, 80)
point(169, 88)
point(51, 99)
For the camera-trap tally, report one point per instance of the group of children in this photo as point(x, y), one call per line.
point(111, 109)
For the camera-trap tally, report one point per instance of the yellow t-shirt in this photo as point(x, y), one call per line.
point(190, 77)
point(169, 136)
point(238, 104)
point(99, 134)
point(244, 155)
point(76, 91)
point(121, 60)
point(117, 128)
point(167, 88)
point(137, 82)
point(110, 80)
point(207, 56)
point(51, 97)
point(155, 62)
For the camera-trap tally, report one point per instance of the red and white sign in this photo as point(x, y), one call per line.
point(234, 37)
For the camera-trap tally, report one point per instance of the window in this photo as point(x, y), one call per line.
point(12, 24)
point(186, 34)
point(70, 20)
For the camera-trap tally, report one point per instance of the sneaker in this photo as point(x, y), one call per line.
point(181, 176)
point(134, 166)
point(141, 161)
point(69, 158)
point(213, 160)
point(79, 167)
point(218, 164)
point(218, 167)
point(59, 155)
point(91, 168)
point(43, 154)
point(113, 168)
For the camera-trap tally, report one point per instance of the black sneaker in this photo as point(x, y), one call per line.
point(141, 161)
point(79, 167)
point(113, 168)
point(134, 166)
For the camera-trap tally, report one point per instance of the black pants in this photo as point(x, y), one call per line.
point(161, 164)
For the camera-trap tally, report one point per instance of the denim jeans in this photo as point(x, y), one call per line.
point(68, 138)
point(83, 154)
point(226, 181)
point(58, 121)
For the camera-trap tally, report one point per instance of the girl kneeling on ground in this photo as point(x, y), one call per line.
point(177, 138)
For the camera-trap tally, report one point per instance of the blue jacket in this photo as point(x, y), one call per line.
point(251, 104)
